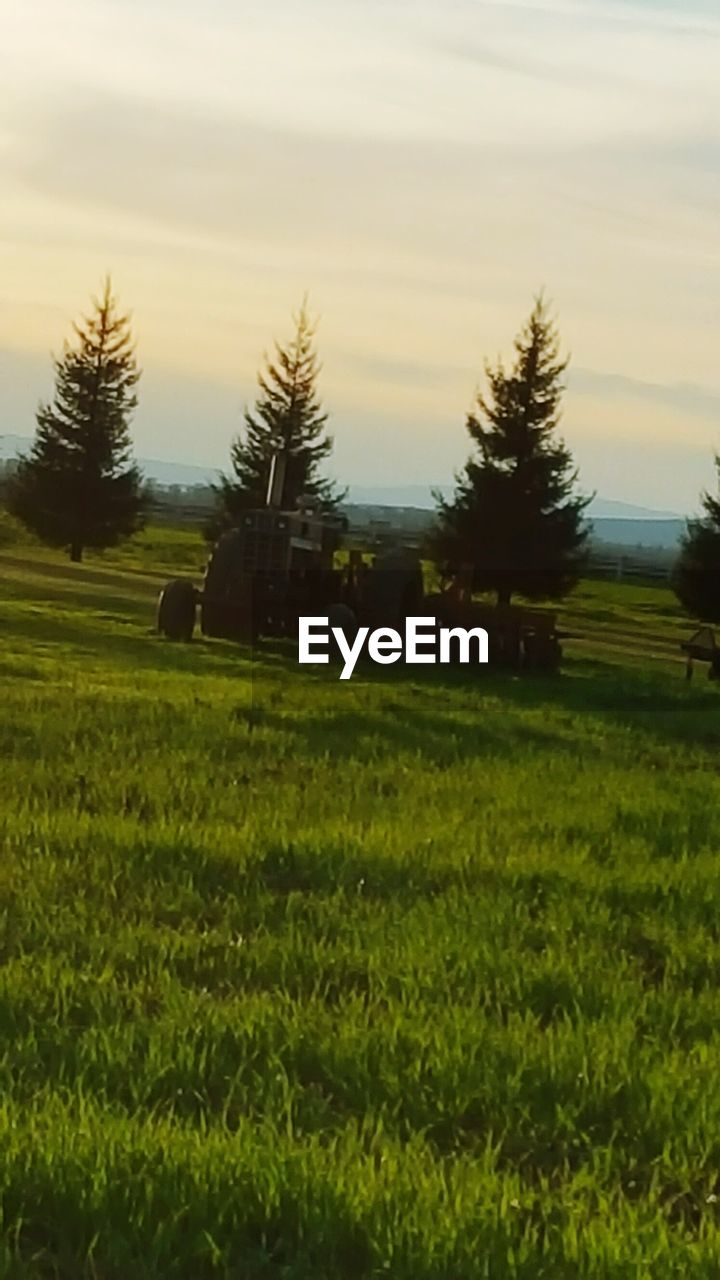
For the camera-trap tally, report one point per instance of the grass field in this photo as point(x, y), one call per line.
point(407, 977)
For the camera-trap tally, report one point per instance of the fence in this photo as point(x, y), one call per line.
point(610, 563)
point(627, 568)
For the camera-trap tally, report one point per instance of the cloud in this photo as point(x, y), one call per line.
point(421, 169)
point(376, 70)
point(409, 375)
point(683, 398)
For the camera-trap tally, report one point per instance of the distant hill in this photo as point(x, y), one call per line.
point(408, 495)
point(636, 533)
point(419, 495)
point(665, 534)
point(181, 473)
point(619, 523)
point(10, 446)
point(606, 509)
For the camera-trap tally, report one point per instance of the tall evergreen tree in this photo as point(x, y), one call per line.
point(514, 516)
point(78, 487)
point(696, 576)
point(287, 415)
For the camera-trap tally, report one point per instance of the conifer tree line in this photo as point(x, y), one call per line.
point(79, 487)
point(516, 520)
point(287, 416)
point(696, 575)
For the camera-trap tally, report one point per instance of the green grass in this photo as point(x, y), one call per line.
point(12, 533)
point(161, 547)
point(406, 976)
point(161, 550)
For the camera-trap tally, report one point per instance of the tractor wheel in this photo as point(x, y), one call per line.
point(176, 609)
point(541, 653)
point(342, 616)
point(394, 588)
point(223, 559)
point(216, 606)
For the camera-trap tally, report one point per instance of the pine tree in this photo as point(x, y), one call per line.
point(78, 487)
point(514, 516)
point(696, 576)
point(287, 415)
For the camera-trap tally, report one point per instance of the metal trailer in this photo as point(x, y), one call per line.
point(520, 637)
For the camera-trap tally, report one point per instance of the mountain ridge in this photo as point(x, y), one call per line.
point(419, 496)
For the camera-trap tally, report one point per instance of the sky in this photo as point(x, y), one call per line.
point(421, 168)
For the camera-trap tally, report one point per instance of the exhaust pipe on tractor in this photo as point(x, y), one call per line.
point(276, 481)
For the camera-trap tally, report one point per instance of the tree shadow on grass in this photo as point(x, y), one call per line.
point(128, 604)
point(147, 580)
point(436, 737)
point(133, 648)
point(423, 705)
point(660, 707)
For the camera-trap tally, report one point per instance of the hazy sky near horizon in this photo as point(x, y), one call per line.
point(421, 169)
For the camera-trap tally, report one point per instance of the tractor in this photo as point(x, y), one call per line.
point(519, 638)
point(279, 565)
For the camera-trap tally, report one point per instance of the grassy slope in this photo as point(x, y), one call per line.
point(407, 976)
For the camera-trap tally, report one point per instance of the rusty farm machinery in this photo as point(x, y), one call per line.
point(278, 565)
